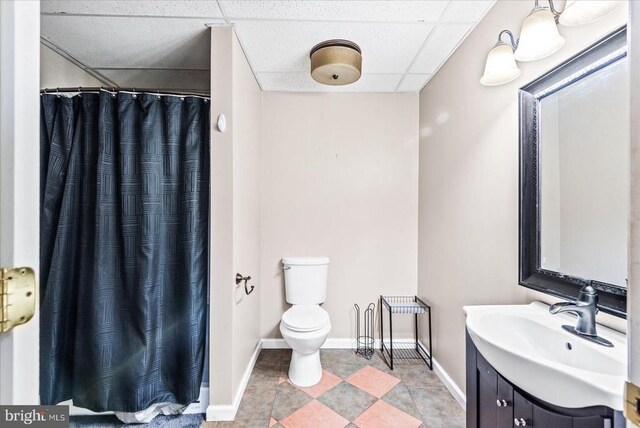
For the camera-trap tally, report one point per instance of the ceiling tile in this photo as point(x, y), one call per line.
point(302, 82)
point(413, 82)
point(441, 44)
point(381, 11)
point(167, 79)
point(466, 10)
point(103, 42)
point(276, 37)
point(283, 46)
point(194, 8)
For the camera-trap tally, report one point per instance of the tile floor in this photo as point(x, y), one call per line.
point(353, 392)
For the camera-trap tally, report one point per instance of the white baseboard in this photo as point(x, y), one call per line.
point(227, 412)
point(199, 406)
point(329, 344)
point(337, 343)
point(274, 344)
point(453, 388)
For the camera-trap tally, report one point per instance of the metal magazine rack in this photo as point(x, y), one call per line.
point(404, 350)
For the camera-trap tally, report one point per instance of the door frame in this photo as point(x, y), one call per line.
point(19, 186)
point(633, 300)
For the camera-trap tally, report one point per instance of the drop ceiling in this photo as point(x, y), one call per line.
point(165, 44)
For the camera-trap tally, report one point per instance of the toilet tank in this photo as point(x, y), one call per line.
point(305, 279)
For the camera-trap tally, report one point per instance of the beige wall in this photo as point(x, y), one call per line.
point(221, 227)
point(58, 72)
point(340, 179)
point(468, 204)
point(247, 201)
point(235, 215)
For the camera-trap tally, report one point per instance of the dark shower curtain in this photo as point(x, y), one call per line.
point(123, 249)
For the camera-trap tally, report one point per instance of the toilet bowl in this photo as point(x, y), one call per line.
point(305, 328)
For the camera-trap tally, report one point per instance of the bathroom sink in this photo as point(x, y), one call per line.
point(527, 346)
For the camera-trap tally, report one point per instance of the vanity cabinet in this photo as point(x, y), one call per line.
point(493, 402)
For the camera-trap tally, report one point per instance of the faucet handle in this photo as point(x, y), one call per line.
point(588, 294)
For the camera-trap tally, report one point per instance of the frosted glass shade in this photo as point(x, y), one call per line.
point(336, 62)
point(500, 67)
point(539, 36)
point(578, 12)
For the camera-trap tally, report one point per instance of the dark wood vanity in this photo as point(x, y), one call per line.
point(494, 402)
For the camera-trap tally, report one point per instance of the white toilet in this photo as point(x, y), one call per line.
point(305, 326)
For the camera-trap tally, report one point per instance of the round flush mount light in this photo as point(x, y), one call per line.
point(336, 62)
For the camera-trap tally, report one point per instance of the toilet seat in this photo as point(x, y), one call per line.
point(305, 318)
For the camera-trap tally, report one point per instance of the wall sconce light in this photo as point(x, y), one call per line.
point(539, 36)
point(501, 66)
point(578, 12)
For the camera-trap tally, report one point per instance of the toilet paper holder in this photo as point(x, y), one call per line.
point(246, 279)
point(365, 340)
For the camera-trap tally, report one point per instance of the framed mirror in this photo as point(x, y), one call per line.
point(574, 176)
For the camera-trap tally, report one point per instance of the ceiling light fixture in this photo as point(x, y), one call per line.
point(336, 62)
point(539, 36)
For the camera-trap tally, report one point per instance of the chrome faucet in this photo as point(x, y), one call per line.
point(586, 308)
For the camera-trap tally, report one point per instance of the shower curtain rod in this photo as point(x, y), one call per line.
point(119, 89)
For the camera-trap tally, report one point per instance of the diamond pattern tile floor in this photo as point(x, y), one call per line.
point(400, 398)
point(353, 392)
point(313, 415)
point(384, 415)
point(348, 400)
point(374, 381)
point(288, 400)
point(328, 381)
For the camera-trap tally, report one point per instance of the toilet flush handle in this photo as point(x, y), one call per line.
point(286, 268)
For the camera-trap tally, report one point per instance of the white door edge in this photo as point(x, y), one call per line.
point(19, 185)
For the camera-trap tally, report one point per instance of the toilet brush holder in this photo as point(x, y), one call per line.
point(364, 339)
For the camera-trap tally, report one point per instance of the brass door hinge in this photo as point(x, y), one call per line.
point(17, 297)
point(632, 403)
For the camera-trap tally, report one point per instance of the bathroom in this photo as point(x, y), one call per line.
point(407, 182)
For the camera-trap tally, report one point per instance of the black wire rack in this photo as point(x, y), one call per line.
point(407, 352)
